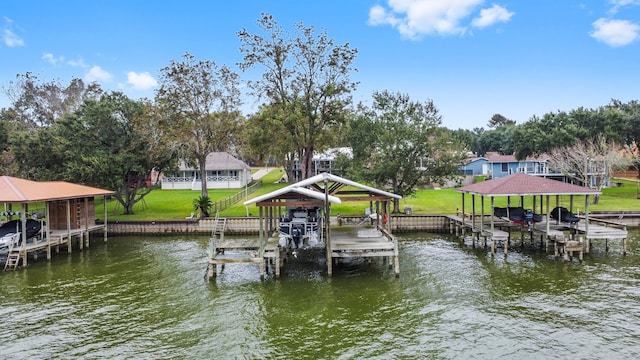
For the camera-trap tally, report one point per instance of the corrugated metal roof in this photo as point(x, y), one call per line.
point(16, 190)
point(335, 178)
point(300, 187)
point(299, 190)
point(524, 184)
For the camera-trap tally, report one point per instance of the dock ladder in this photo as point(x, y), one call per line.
point(13, 257)
point(217, 232)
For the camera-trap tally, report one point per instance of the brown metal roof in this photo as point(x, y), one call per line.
point(16, 190)
point(524, 184)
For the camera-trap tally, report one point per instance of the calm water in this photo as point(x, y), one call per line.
point(147, 298)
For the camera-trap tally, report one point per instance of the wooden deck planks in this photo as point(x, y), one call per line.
point(345, 243)
point(56, 238)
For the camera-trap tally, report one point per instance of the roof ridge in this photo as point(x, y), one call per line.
point(9, 183)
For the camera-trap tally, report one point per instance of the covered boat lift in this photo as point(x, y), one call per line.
point(541, 190)
point(322, 190)
point(69, 212)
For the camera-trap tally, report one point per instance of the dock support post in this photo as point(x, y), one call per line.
point(277, 262)
point(212, 271)
point(397, 265)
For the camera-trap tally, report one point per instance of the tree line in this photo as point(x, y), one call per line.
point(79, 132)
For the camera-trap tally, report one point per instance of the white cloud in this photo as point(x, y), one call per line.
point(615, 33)
point(11, 40)
point(492, 15)
point(52, 59)
point(141, 81)
point(617, 4)
point(97, 74)
point(415, 18)
point(77, 63)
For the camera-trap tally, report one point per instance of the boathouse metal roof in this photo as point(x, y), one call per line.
point(316, 192)
point(340, 182)
point(523, 185)
point(313, 194)
point(16, 190)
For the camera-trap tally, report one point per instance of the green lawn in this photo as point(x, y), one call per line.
point(178, 204)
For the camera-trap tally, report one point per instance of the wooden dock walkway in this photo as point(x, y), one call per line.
point(346, 242)
point(47, 241)
point(362, 242)
point(246, 251)
point(605, 230)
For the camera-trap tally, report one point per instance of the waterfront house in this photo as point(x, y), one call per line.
point(324, 162)
point(475, 166)
point(223, 171)
point(502, 165)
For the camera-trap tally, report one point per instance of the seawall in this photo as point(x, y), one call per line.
point(251, 225)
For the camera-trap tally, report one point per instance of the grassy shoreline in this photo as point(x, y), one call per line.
point(178, 204)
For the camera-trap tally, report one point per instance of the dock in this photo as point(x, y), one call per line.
point(270, 256)
point(299, 215)
point(563, 238)
point(48, 241)
point(364, 243)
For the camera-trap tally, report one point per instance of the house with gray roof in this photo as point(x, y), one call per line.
point(223, 171)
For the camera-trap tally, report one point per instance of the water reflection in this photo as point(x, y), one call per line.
point(147, 297)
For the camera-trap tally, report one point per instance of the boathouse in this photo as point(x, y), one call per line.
point(544, 195)
point(371, 238)
point(68, 214)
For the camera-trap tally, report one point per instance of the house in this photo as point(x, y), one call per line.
point(475, 166)
point(503, 165)
point(324, 162)
point(223, 171)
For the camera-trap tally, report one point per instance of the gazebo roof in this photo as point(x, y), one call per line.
point(523, 185)
point(16, 190)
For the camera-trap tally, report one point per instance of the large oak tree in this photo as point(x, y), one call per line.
point(398, 145)
point(200, 101)
point(110, 143)
point(306, 83)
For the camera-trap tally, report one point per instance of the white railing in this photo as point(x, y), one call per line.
point(193, 179)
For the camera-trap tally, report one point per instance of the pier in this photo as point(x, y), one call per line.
point(69, 215)
point(567, 237)
point(309, 202)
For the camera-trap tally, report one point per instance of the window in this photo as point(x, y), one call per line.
point(505, 167)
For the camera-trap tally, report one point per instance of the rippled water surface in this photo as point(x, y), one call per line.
point(147, 298)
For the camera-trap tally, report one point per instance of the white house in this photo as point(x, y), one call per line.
point(223, 171)
point(323, 162)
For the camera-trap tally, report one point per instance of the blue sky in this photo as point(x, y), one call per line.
point(473, 58)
